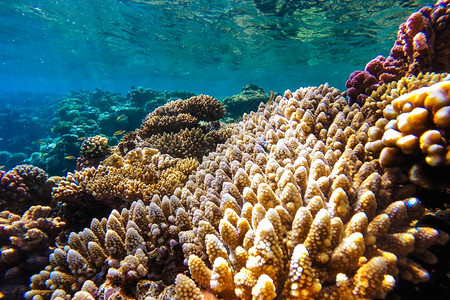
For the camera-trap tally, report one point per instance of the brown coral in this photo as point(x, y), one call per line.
point(180, 114)
point(118, 181)
point(93, 150)
point(25, 242)
point(193, 142)
point(134, 245)
point(21, 187)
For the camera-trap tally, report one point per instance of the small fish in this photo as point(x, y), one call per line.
point(81, 138)
point(120, 117)
point(272, 96)
point(39, 142)
point(119, 132)
point(1, 167)
point(70, 157)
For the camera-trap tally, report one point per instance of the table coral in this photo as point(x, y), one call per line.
point(422, 46)
point(25, 242)
point(175, 128)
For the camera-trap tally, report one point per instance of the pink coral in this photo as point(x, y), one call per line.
point(422, 45)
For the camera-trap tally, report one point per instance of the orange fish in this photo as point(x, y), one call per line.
point(120, 117)
point(70, 157)
point(119, 132)
point(38, 142)
point(81, 138)
point(1, 167)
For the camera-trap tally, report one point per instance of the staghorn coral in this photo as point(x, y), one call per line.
point(297, 189)
point(25, 242)
point(414, 134)
point(21, 187)
point(422, 46)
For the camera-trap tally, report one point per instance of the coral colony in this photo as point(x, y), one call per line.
point(314, 195)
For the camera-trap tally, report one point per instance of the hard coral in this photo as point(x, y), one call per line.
point(181, 114)
point(118, 181)
point(297, 189)
point(21, 187)
point(93, 150)
point(25, 242)
point(114, 257)
point(175, 128)
point(422, 46)
point(294, 188)
point(414, 133)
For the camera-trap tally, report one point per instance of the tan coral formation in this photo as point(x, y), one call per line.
point(414, 132)
point(118, 181)
point(128, 246)
point(181, 128)
point(305, 213)
point(292, 207)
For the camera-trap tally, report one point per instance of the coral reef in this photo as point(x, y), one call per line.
point(422, 46)
point(25, 243)
point(181, 114)
point(22, 187)
point(248, 100)
point(195, 142)
point(291, 207)
point(414, 134)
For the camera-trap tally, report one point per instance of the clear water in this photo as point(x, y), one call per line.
point(212, 46)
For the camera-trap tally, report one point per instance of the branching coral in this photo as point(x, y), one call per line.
point(379, 99)
point(297, 189)
point(422, 45)
point(118, 181)
point(114, 256)
point(181, 114)
point(25, 242)
point(175, 128)
point(193, 142)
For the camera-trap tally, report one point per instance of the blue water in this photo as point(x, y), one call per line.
point(212, 47)
point(50, 48)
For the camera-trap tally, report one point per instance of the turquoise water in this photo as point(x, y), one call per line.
point(212, 47)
